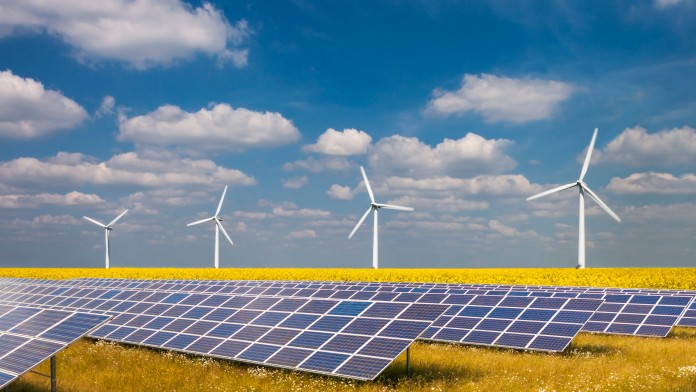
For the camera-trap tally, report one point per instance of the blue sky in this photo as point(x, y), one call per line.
point(458, 109)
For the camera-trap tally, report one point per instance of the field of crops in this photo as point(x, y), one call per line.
point(669, 278)
point(593, 362)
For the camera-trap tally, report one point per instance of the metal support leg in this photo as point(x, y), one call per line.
point(53, 374)
point(408, 361)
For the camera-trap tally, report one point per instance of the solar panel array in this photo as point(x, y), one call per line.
point(355, 339)
point(625, 311)
point(546, 326)
point(29, 336)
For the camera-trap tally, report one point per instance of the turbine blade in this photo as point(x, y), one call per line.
point(224, 232)
point(96, 222)
point(217, 212)
point(360, 222)
point(588, 156)
point(550, 191)
point(367, 185)
point(200, 221)
point(393, 207)
point(600, 203)
point(117, 218)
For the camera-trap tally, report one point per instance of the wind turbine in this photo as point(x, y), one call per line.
point(582, 189)
point(374, 207)
point(218, 227)
point(107, 229)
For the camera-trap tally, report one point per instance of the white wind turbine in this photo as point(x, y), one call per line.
point(107, 229)
point(582, 188)
point(218, 227)
point(374, 207)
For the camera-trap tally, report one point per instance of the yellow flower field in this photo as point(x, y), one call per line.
point(668, 278)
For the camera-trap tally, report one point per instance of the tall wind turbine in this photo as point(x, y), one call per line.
point(582, 189)
point(374, 207)
point(218, 227)
point(107, 229)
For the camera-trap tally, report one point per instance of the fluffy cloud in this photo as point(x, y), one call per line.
point(449, 203)
point(107, 106)
point(636, 147)
point(500, 185)
point(347, 142)
point(221, 127)
point(471, 154)
point(300, 213)
point(319, 165)
point(141, 33)
point(507, 231)
point(30, 201)
point(295, 182)
point(301, 234)
point(129, 168)
point(340, 192)
point(670, 213)
point(28, 110)
point(502, 99)
point(654, 183)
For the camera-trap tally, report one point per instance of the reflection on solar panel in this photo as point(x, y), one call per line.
point(30, 336)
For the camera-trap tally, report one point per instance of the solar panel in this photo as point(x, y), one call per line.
point(315, 335)
point(30, 336)
point(636, 314)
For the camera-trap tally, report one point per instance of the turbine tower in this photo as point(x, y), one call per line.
point(107, 229)
point(582, 189)
point(218, 227)
point(374, 208)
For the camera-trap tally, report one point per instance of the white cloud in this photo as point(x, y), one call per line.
point(69, 199)
point(128, 168)
point(319, 165)
point(46, 219)
point(654, 183)
point(636, 147)
point(295, 182)
point(301, 234)
point(221, 127)
point(411, 157)
point(300, 213)
point(346, 142)
point(107, 106)
point(251, 215)
point(508, 231)
point(498, 185)
point(502, 99)
point(142, 33)
point(448, 203)
point(28, 110)
point(670, 213)
point(340, 192)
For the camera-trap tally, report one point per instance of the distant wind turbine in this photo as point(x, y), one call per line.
point(374, 207)
point(218, 227)
point(582, 188)
point(107, 229)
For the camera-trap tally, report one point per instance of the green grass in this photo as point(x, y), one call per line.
point(593, 363)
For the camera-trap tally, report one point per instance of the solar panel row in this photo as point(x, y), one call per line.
point(355, 339)
point(551, 330)
point(626, 314)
